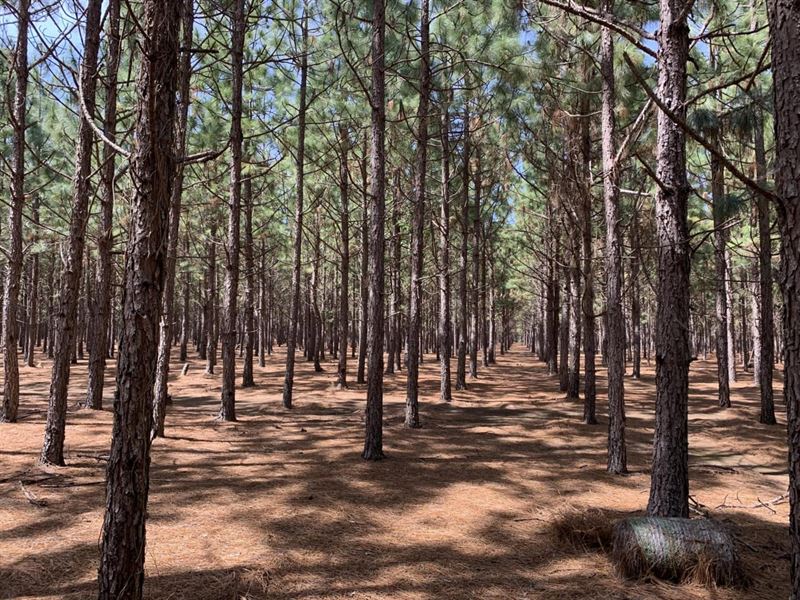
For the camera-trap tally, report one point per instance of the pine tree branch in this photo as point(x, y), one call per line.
point(747, 181)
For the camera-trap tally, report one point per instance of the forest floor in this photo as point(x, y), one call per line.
point(279, 505)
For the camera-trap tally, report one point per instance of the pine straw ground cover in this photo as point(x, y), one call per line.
point(479, 503)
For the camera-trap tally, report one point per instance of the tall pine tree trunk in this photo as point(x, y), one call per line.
point(344, 225)
point(417, 230)
point(720, 272)
point(784, 20)
point(10, 403)
point(122, 553)
point(445, 391)
point(475, 320)
point(250, 283)
point(364, 289)
point(669, 487)
point(53, 447)
point(167, 308)
point(766, 338)
point(33, 296)
point(617, 454)
point(373, 439)
point(227, 409)
point(636, 304)
point(294, 306)
point(461, 360)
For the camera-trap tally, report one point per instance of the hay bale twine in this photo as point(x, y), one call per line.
point(676, 549)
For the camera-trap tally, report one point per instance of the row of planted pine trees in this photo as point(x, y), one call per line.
point(380, 182)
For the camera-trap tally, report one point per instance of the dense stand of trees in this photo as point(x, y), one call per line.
point(597, 182)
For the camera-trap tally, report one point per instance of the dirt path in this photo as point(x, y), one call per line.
point(279, 505)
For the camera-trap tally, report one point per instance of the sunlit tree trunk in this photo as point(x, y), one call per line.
point(669, 488)
point(10, 405)
point(167, 308)
point(294, 307)
point(461, 359)
point(617, 454)
point(250, 283)
point(445, 327)
point(765, 356)
point(373, 441)
point(53, 447)
point(784, 20)
point(417, 230)
point(227, 409)
point(122, 552)
point(344, 225)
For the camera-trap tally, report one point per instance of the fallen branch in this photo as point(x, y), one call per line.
point(31, 497)
point(782, 499)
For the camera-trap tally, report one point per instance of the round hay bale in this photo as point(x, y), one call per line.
point(675, 549)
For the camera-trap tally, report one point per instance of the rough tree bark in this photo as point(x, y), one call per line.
point(250, 283)
point(445, 391)
point(720, 272)
point(393, 324)
point(10, 405)
point(33, 294)
point(373, 439)
point(210, 309)
point(344, 225)
point(587, 300)
point(53, 447)
point(669, 487)
point(731, 323)
point(167, 302)
point(784, 20)
point(636, 305)
point(461, 359)
point(417, 230)
point(227, 408)
point(121, 574)
point(617, 454)
point(294, 306)
point(364, 290)
point(766, 350)
point(475, 321)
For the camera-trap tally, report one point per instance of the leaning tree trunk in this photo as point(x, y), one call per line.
point(227, 408)
point(669, 487)
point(10, 403)
point(617, 454)
point(373, 440)
point(53, 447)
point(784, 19)
point(121, 574)
point(167, 308)
point(294, 304)
point(417, 230)
point(105, 239)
